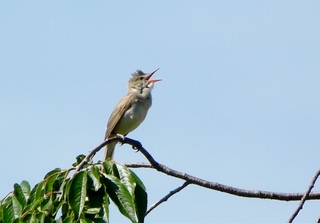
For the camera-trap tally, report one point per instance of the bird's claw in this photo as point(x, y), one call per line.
point(136, 149)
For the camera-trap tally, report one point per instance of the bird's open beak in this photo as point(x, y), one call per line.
point(150, 75)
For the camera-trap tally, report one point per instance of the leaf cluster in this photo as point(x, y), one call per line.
point(84, 196)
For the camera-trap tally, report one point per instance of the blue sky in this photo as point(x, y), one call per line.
point(239, 103)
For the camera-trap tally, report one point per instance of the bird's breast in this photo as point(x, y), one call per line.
point(133, 117)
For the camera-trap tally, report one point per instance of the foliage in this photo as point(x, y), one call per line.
point(84, 196)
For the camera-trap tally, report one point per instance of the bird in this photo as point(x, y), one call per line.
point(131, 109)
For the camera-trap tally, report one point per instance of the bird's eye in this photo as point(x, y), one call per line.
point(141, 78)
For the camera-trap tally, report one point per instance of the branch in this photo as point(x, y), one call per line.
point(165, 198)
point(197, 181)
point(217, 186)
point(305, 196)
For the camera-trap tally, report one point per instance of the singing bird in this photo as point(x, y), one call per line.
point(131, 110)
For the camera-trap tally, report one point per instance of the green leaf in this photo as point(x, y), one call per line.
point(115, 171)
point(78, 192)
point(141, 198)
point(85, 220)
point(36, 196)
point(94, 178)
point(126, 177)
point(69, 219)
point(95, 198)
point(66, 190)
point(43, 217)
point(25, 186)
point(61, 178)
point(1, 209)
point(67, 214)
point(49, 181)
point(57, 206)
point(97, 206)
point(36, 192)
point(107, 166)
point(121, 196)
point(58, 185)
point(136, 189)
point(64, 209)
point(105, 209)
point(52, 172)
point(8, 215)
point(47, 206)
point(19, 195)
point(95, 209)
point(31, 218)
point(16, 206)
point(137, 180)
point(78, 160)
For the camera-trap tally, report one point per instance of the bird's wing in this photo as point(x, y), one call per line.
point(117, 113)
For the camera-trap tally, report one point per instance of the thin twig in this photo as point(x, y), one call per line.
point(165, 198)
point(305, 196)
point(139, 165)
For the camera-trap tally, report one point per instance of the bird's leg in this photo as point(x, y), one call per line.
point(122, 138)
point(135, 148)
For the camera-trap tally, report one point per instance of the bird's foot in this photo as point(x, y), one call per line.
point(136, 146)
point(122, 138)
point(136, 149)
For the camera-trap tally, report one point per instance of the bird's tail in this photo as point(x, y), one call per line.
point(109, 150)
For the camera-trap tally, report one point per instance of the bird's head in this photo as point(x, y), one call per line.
point(141, 80)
